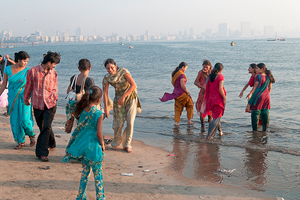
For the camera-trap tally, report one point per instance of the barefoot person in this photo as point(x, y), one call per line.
point(86, 144)
point(21, 120)
point(250, 83)
point(180, 93)
point(126, 103)
point(259, 103)
point(200, 83)
point(41, 86)
point(215, 100)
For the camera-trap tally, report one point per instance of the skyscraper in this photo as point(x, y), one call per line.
point(78, 31)
point(245, 29)
point(191, 31)
point(223, 30)
point(268, 31)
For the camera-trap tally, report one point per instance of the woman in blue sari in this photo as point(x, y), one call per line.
point(21, 120)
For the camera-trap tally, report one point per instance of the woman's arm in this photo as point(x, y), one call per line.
point(105, 99)
point(4, 84)
point(270, 87)
point(253, 89)
point(129, 91)
point(183, 86)
point(222, 91)
point(99, 132)
point(10, 60)
point(242, 92)
point(196, 82)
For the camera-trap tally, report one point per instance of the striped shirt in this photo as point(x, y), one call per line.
point(42, 87)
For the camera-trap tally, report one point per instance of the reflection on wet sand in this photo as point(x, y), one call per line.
point(198, 161)
point(255, 163)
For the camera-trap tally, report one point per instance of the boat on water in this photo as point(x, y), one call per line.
point(232, 43)
point(130, 47)
point(121, 43)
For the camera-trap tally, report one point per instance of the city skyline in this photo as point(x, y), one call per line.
point(135, 17)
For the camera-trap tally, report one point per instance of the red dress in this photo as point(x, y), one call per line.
point(213, 98)
point(202, 80)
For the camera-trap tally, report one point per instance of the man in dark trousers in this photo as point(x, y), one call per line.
point(41, 86)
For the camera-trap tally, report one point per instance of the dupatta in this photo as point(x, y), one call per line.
point(259, 90)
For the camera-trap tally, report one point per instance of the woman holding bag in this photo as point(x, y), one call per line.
point(78, 85)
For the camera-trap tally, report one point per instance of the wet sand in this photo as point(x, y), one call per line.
point(22, 176)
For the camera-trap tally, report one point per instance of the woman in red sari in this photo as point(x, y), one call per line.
point(215, 100)
point(180, 93)
point(200, 83)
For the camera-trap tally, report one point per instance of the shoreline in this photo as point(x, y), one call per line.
point(21, 171)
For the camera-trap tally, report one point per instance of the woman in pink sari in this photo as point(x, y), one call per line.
point(215, 100)
point(200, 83)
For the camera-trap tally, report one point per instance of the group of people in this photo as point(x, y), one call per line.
point(212, 96)
point(36, 88)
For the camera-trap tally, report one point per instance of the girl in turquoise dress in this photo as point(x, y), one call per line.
point(86, 144)
point(21, 120)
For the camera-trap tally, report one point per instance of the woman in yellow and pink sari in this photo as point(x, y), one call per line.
point(21, 120)
point(180, 93)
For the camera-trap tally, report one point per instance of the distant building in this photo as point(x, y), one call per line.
point(255, 32)
point(38, 33)
point(269, 31)
point(191, 31)
point(78, 31)
point(245, 29)
point(223, 30)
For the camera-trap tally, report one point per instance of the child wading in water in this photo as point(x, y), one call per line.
point(180, 93)
point(86, 144)
point(200, 83)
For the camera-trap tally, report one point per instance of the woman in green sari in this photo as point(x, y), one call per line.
point(21, 120)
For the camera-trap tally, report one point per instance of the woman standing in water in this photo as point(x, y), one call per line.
point(259, 103)
point(250, 83)
point(180, 93)
point(21, 120)
point(215, 100)
point(200, 83)
point(126, 103)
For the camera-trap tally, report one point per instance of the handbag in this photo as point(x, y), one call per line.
point(82, 91)
point(72, 94)
point(69, 125)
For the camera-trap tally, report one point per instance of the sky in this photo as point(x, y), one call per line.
point(124, 17)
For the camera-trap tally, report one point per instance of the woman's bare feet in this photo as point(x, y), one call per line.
point(114, 148)
point(176, 124)
point(190, 122)
point(129, 150)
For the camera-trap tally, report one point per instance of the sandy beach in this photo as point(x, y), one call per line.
point(23, 176)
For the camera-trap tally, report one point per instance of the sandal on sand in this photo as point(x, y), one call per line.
point(19, 146)
point(43, 158)
point(129, 150)
point(32, 141)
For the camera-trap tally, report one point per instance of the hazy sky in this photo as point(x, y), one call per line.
point(125, 17)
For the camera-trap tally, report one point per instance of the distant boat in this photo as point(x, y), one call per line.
point(232, 43)
point(282, 39)
point(121, 43)
point(130, 47)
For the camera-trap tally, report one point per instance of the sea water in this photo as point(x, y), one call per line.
point(266, 162)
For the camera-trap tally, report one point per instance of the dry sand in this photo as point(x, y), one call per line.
point(22, 178)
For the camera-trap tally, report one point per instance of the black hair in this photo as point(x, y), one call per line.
point(93, 94)
point(84, 64)
point(268, 72)
point(21, 55)
point(217, 68)
point(110, 61)
point(1, 56)
point(182, 64)
point(206, 62)
point(253, 65)
point(52, 57)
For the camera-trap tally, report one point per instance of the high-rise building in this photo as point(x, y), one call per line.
point(223, 30)
point(78, 31)
point(38, 33)
point(245, 29)
point(191, 31)
point(268, 31)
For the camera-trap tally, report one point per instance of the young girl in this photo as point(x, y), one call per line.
point(86, 144)
point(215, 100)
point(251, 71)
point(259, 103)
point(21, 120)
point(200, 83)
point(180, 94)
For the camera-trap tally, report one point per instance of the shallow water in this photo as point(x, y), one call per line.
point(267, 162)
